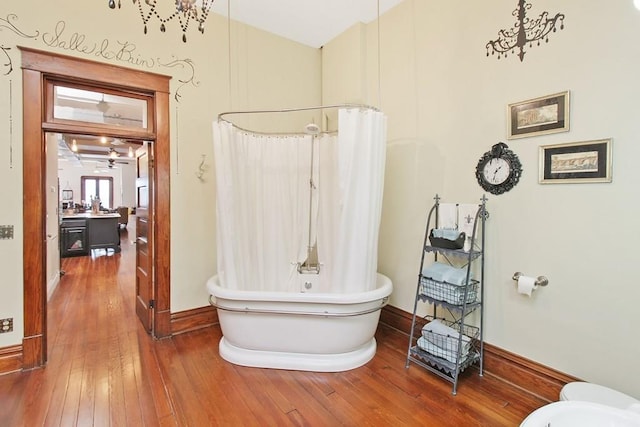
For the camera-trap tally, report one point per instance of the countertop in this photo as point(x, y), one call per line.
point(90, 215)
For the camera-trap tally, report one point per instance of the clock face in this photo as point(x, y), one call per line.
point(499, 169)
point(496, 171)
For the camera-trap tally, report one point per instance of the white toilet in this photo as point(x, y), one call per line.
point(587, 392)
point(587, 405)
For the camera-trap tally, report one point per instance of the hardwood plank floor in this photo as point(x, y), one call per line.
point(104, 370)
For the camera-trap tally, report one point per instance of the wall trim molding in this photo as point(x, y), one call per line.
point(525, 374)
point(39, 70)
point(10, 359)
point(194, 319)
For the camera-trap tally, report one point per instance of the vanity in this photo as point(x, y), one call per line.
point(82, 232)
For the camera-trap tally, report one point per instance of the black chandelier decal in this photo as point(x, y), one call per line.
point(184, 10)
point(524, 31)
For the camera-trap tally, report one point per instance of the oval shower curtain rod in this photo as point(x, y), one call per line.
point(290, 110)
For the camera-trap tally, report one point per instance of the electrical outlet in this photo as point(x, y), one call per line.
point(6, 232)
point(6, 325)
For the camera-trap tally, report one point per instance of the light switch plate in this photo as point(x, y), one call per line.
point(6, 232)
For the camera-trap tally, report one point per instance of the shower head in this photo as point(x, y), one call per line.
point(311, 129)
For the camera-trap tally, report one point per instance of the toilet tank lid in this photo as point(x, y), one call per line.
point(583, 391)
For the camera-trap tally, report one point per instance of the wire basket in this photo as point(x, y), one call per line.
point(442, 242)
point(452, 294)
point(445, 345)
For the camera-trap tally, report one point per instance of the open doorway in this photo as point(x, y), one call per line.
point(86, 172)
point(42, 73)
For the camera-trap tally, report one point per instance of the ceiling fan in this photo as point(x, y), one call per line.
point(110, 163)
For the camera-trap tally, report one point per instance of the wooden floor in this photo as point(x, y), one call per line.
point(103, 370)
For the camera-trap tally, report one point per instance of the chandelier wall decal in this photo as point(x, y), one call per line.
point(524, 31)
point(184, 11)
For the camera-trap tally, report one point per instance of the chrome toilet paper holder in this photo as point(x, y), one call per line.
point(540, 281)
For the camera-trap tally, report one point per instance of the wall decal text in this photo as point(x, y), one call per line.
point(118, 51)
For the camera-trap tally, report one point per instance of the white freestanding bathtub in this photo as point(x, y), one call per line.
point(321, 332)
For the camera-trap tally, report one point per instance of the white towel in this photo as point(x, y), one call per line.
point(448, 215)
point(436, 271)
point(456, 276)
point(445, 273)
point(445, 336)
point(431, 348)
point(466, 217)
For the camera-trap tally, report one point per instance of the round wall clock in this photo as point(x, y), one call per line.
point(499, 169)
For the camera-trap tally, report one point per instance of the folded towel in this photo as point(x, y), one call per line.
point(445, 336)
point(456, 276)
point(431, 348)
point(436, 271)
point(446, 273)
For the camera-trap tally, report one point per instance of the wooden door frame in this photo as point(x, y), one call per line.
point(36, 67)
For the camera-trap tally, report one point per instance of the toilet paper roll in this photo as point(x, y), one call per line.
point(526, 285)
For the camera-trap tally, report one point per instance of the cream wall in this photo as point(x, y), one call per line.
point(446, 103)
point(344, 66)
point(266, 71)
point(71, 177)
point(52, 209)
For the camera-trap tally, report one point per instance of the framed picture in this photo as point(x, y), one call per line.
point(586, 161)
point(539, 116)
point(67, 194)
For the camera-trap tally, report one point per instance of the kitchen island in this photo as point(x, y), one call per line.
point(82, 232)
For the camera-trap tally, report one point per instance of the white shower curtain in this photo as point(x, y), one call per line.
point(262, 204)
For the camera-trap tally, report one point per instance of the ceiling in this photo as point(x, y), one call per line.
point(94, 151)
point(310, 22)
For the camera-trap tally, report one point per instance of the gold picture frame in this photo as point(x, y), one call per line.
point(576, 162)
point(539, 116)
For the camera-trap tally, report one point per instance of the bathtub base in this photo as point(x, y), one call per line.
point(298, 361)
